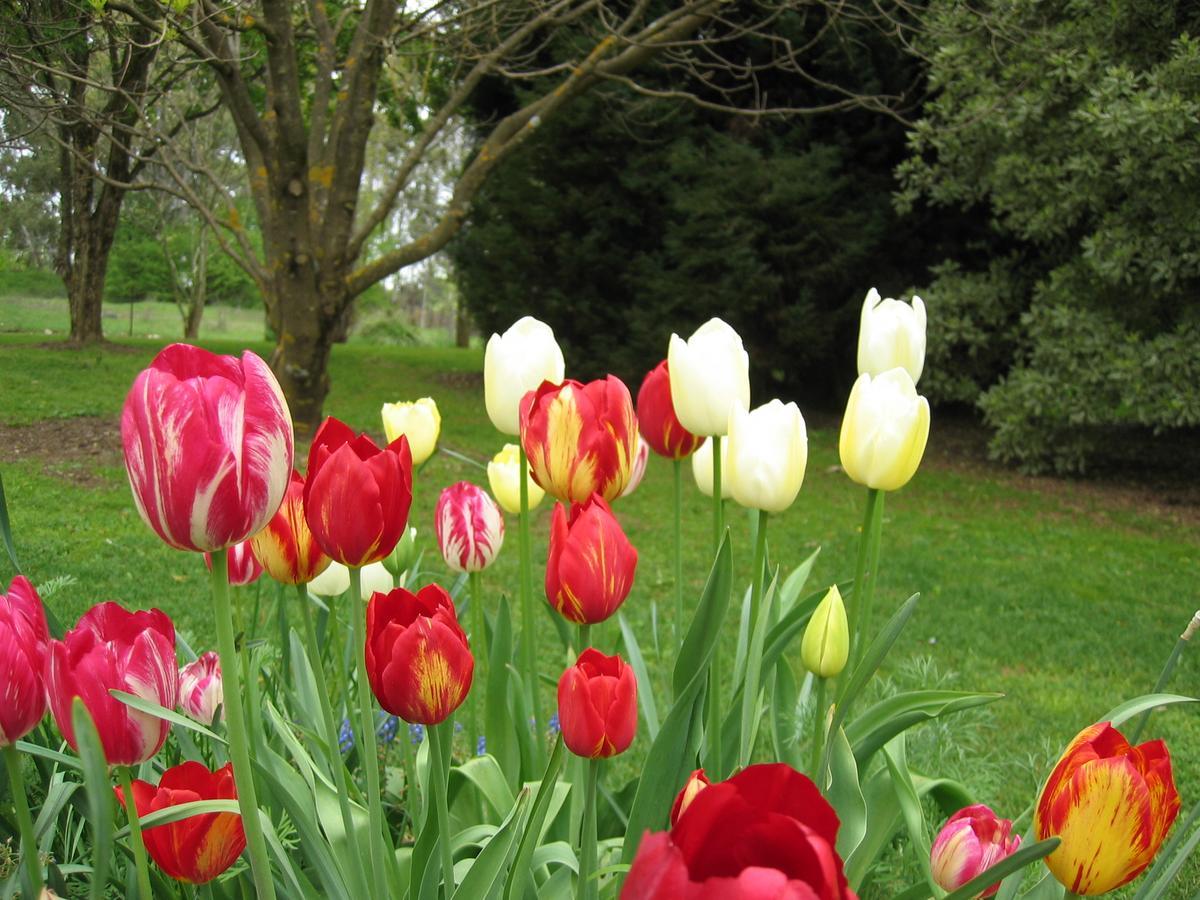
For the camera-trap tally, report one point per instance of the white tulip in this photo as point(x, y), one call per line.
point(702, 468)
point(890, 334)
point(516, 363)
point(335, 580)
point(884, 430)
point(709, 372)
point(420, 422)
point(768, 452)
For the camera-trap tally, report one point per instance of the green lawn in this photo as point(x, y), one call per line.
point(1067, 600)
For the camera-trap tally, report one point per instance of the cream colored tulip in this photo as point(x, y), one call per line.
point(516, 363)
point(884, 430)
point(891, 333)
point(710, 371)
point(702, 468)
point(420, 422)
point(768, 452)
point(335, 580)
point(504, 478)
point(825, 646)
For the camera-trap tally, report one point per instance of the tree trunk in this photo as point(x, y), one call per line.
point(199, 292)
point(462, 326)
point(85, 289)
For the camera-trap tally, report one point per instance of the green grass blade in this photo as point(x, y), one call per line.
point(100, 798)
point(6, 530)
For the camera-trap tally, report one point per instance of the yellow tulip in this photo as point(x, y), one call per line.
point(891, 333)
point(420, 422)
point(884, 430)
point(768, 452)
point(504, 478)
point(825, 646)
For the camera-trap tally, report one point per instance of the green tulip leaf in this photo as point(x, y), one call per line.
point(645, 694)
point(488, 870)
point(153, 709)
point(896, 758)
point(484, 772)
point(535, 824)
point(845, 795)
point(887, 718)
point(6, 530)
point(100, 798)
point(182, 811)
point(1118, 715)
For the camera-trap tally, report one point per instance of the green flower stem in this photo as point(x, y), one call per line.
point(367, 750)
point(285, 643)
point(858, 611)
point(585, 637)
point(679, 551)
point(529, 654)
point(715, 708)
point(718, 502)
point(29, 848)
point(753, 668)
point(818, 738)
point(135, 834)
point(235, 720)
point(587, 866)
point(1165, 676)
point(443, 740)
point(480, 652)
point(331, 730)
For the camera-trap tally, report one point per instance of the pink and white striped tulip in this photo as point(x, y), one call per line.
point(208, 446)
point(244, 567)
point(23, 639)
point(112, 648)
point(972, 841)
point(200, 688)
point(638, 472)
point(470, 527)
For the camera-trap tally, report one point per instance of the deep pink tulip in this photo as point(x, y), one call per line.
point(244, 567)
point(112, 648)
point(972, 841)
point(470, 527)
point(23, 639)
point(200, 688)
point(208, 446)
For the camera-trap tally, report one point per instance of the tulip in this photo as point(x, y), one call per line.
point(335, 580)
point(580, 439)
point(244, 567)
point(420, 422)
point(597, 705)
point(200, 690)
point(403, 557)
point(765, 833)
point(696, 782)
point(591, 563)
point(638, 472)
point(208, 446)
point(504, 478)
point(357, 496)
point(708, 372)
point(198, 848)
point(516, 363)
point(891, 334)
point(419, 663)
point(23, 642)
point(657, 420)
point(767, 455)
point(702, 468)
point(1111, 805)
point(112, 648)
point(825, 646)
point(470, 527)
point(884, 430)
point(972, 841)
point(286, 548)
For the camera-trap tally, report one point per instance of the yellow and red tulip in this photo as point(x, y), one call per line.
point(591, 564)
point(581, 439)
point(286, 548)
point(419, 663)
point(1111, 805)
point(696, 782)
point(198, 848)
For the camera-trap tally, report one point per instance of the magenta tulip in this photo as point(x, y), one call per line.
point(23, 639)
point(200, 688)
point(470, 527)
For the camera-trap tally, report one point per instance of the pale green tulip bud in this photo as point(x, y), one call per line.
point(826, 643)
point(884, 430)
point(708, 372)
point(420, 422)
point(404, 556)
point(768, 451)
point(891, 333)
point(516, 363)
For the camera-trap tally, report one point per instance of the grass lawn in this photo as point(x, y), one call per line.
point(1065, 597)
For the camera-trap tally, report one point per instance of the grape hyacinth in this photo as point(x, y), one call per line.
point(346, 737)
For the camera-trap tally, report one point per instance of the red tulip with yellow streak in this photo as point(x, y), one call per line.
point(591, 564)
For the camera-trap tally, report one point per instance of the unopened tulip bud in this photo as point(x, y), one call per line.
point(335, 580)
point(419, 421)
point(826, 643)
point(891, 333)
point(470, 527)
point(404, 556)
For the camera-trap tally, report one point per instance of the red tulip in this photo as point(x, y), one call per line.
point(1111, 805)
point(591, 563)
point(199, 848)
point(419, 663)
point(357, 496)
point(208, 446)
point(764, 834)
point(972, 841)
point(112, 648)
point(638, 472)
point(244, 567)
point(23, 639)
point(286, 548)
point(200, 688)
point(580, 439)
point(597, 705)
point(657, 420)
point(696, 782)
point(470, 527)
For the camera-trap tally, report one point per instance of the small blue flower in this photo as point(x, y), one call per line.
point(416, 733)
point(555, 728)
point(387, 729)
point(346, 737)
point(481, 747)
point(457, 727)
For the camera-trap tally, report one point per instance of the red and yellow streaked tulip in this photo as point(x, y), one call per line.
point(1111, 805)
point(972, 841)
point(597, 705)
point(657, 420)
point(638, 472)
point(200, 688)
point(696, 782)
point(109, 648)
point(591, 564)
point(514, 364)
point(581, 439)
point(198, 848)
point(470, 527)
point(208, 446)
point(286, 548)
point(418, 421)
point(243, 566)
point(357, 496)
point(419, 663)
point(23, 642)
